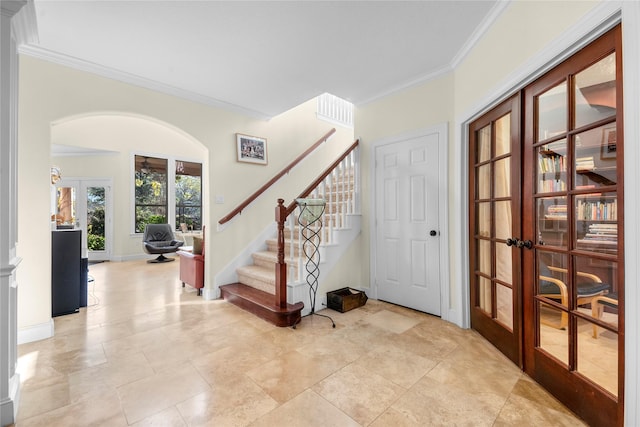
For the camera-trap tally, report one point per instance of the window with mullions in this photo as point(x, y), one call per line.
point(151, 185)
point(188, 195)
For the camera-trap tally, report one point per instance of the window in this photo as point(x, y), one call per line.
point(157, 181)
point(188, 195)
point(151, 191)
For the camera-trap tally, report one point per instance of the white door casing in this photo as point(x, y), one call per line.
point(409, 255)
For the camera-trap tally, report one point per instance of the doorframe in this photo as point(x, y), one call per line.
point(442, 131)
point(599, 20)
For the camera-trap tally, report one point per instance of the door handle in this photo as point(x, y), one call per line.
point(433, 233)
point(525, 244)
point(512, 241)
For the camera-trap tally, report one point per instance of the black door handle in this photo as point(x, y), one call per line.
point(433, 233)
point(512, 241)
point(525, 244)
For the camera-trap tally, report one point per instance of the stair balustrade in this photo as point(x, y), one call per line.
point(338, 185)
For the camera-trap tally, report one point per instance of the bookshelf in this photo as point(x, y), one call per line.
point(552, 167)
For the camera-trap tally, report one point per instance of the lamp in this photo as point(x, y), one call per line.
point(311, 211)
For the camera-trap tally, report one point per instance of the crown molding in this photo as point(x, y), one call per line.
point(25, 25)
point(10, 7)
point(133, 79)
point(422, 79)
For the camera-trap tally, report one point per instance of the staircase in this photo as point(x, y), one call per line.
point(257, 288)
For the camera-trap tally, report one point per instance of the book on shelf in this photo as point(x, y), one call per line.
point(552, 164)
point(551, 185)
point(601, 234)
point(597, 210)
point(584, 163)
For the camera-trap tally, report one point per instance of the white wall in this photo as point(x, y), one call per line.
point(51, 94)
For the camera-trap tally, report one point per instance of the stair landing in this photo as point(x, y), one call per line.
point(262, 304)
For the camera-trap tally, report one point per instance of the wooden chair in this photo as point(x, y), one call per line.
point(553, 288)
point(597, 307)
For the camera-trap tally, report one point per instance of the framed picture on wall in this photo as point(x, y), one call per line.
point(251, 149)
point(609, 143)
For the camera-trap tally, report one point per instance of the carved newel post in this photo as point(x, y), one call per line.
point(281, 266)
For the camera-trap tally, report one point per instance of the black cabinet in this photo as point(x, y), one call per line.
point(65, 271)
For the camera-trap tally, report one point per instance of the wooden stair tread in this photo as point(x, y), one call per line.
point(261, 304)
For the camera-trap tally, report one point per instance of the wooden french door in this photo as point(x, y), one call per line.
point(494, 244)
point(546, 238)
point(573, 276)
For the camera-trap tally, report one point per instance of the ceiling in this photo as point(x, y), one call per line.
point(261, 57)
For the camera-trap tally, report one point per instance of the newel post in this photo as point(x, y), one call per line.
point(281, 266)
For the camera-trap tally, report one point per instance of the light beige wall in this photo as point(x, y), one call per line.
point(50, 94)
point(523, 30)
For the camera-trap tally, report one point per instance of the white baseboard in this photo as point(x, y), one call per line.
point(36, 332)
point(210, 293)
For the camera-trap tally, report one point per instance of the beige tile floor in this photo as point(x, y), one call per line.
point(147, 352)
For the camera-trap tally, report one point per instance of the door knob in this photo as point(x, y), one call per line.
point(525, 244)
point(512, 241)
point(433, 233)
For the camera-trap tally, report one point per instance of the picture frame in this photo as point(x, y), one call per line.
point(251, 149)
point(609, 146)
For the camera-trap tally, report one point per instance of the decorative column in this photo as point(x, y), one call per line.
point(9, 378)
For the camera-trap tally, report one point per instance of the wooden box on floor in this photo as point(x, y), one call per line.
point(346, 299)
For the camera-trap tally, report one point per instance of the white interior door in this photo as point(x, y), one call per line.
point(407, 223)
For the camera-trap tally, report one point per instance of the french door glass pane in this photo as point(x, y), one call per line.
point(96, 205)
point(503, 136)
point(483, 219)
point(595, 91)
point(553, 339)
point(503, 219)
point(598, 356)
point(595, 162)
point(484, 294)
point(552, 112)
point(504, 305)
point(484, 144)
point(551, 215)
point(552, 277)
point(504, 271)
point(552, 167)
point(502, 178)
point(596, 225)
point(484, 181)
point(484, 257)
point(595, 278)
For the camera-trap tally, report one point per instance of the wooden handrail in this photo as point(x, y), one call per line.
point(292, 206)
point(273, 180)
